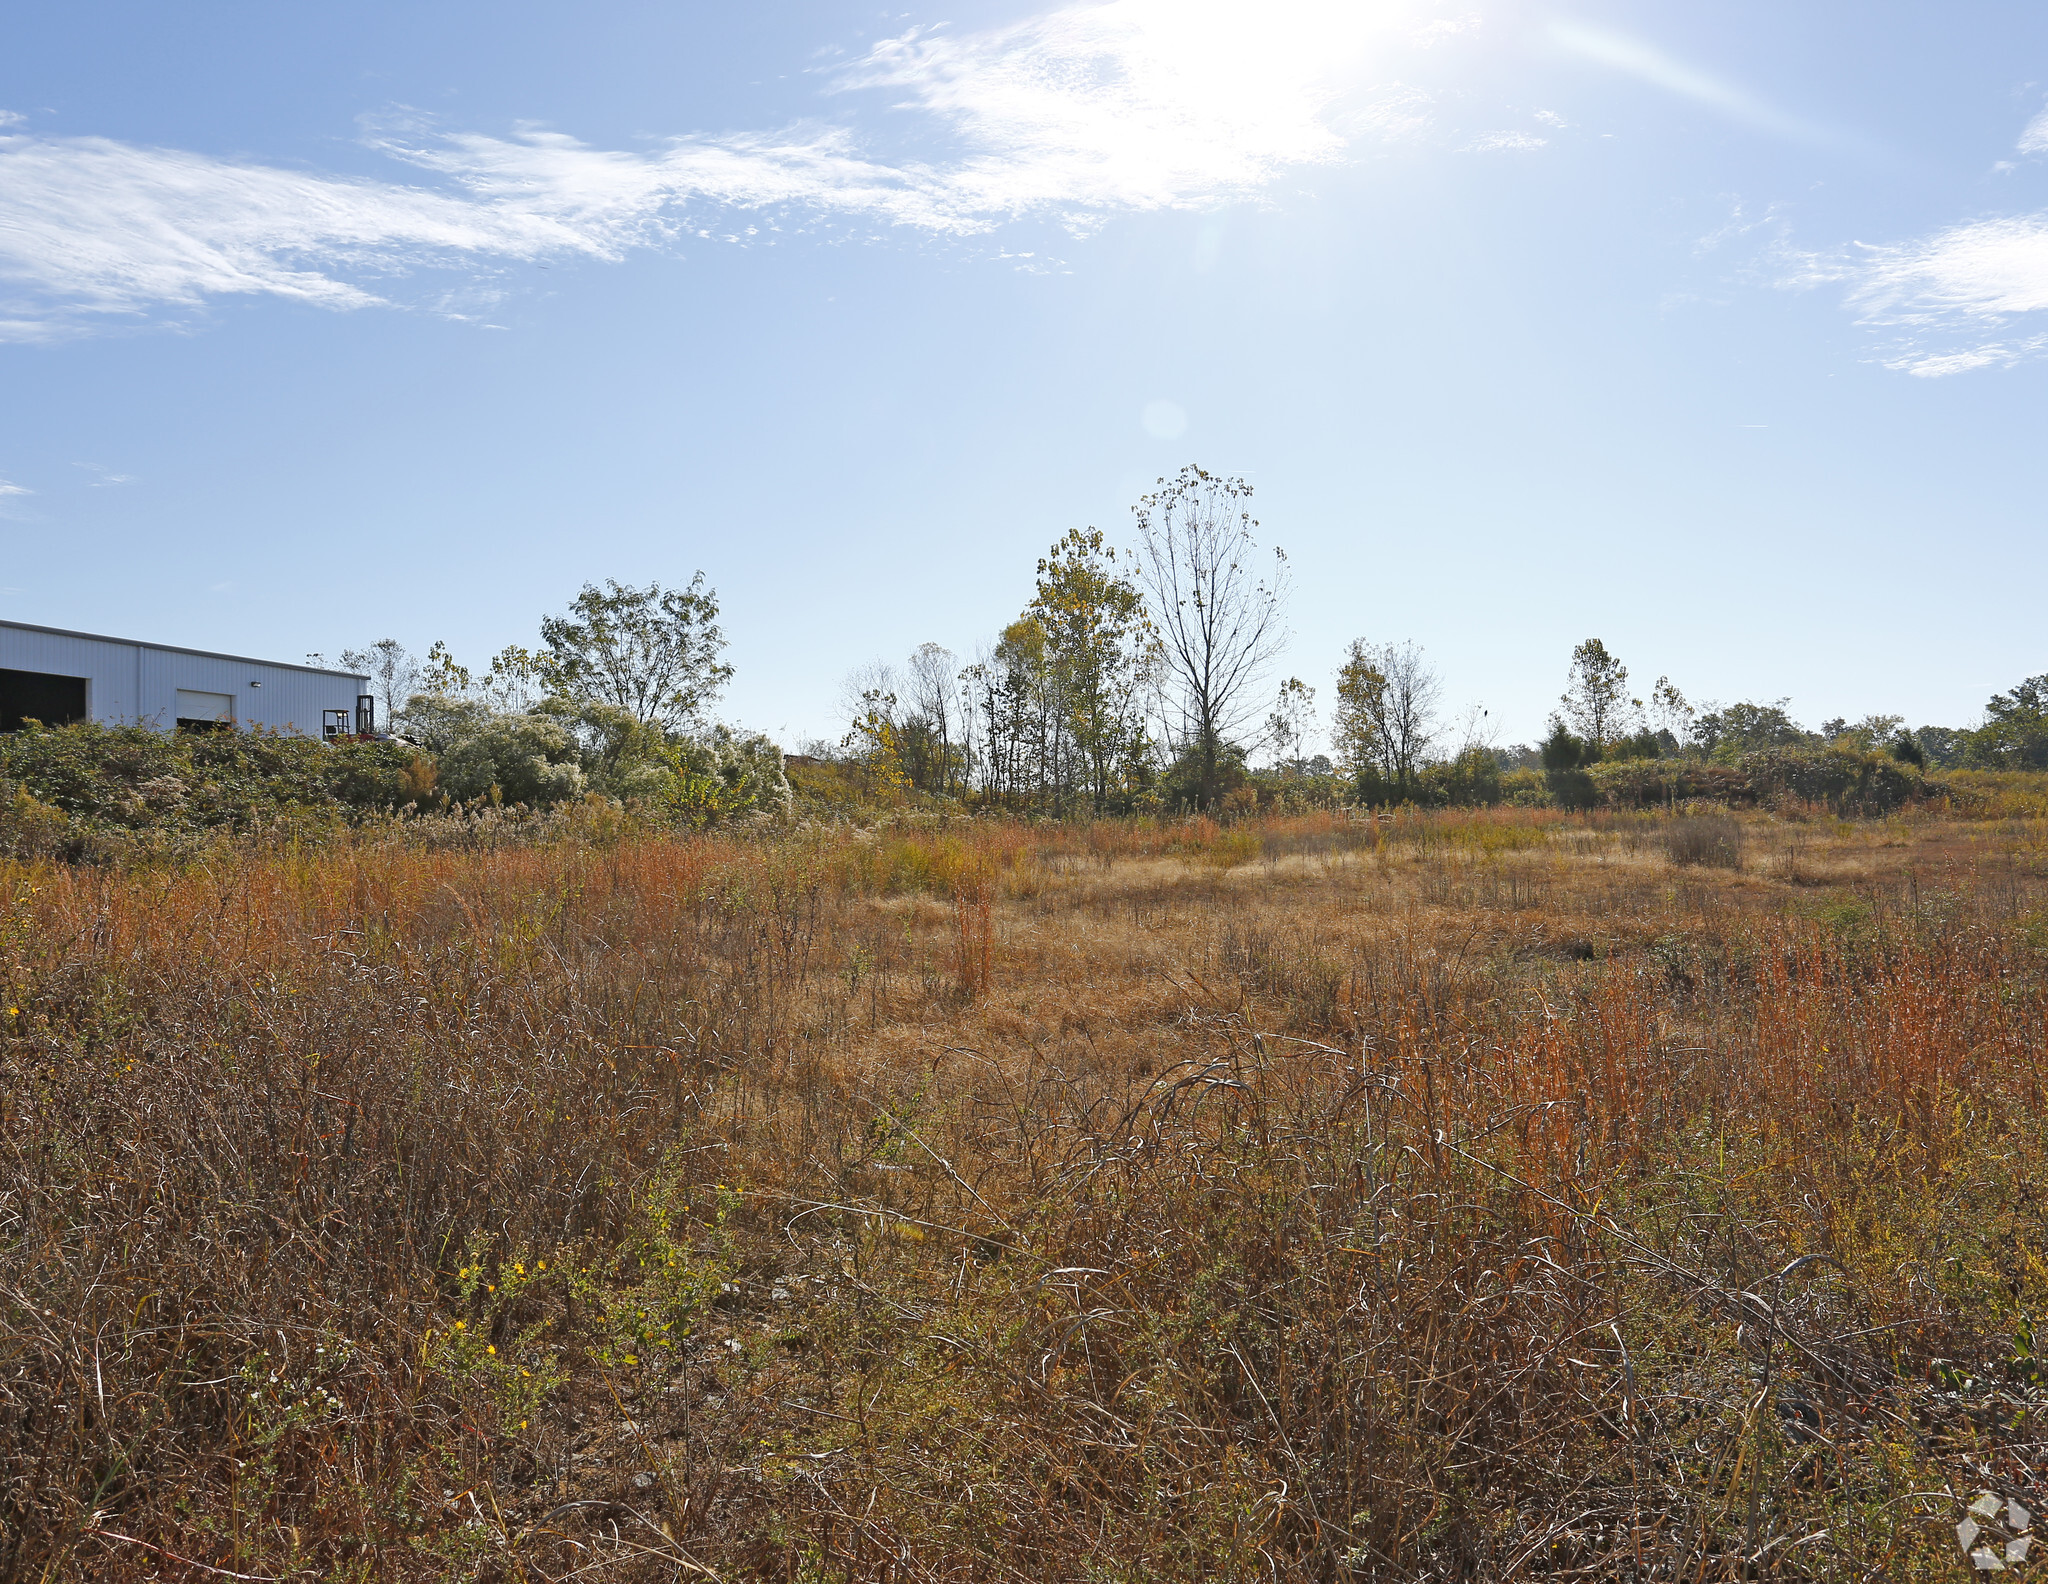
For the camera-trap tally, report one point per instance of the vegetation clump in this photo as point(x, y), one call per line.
point(91, 790)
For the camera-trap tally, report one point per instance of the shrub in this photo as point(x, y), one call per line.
point(1711, 839)
point(1850, 780)
point(111, 779)
point(1650, 783)
point(527, 758)
point(1472, 780)
point(702, 780)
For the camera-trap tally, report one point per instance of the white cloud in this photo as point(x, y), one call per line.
point(1134, 104)
point(12, 118)
point(1503, 142)
point(1089, 110)
point(1953, 295)
point(14, 489)
point(2034, 140)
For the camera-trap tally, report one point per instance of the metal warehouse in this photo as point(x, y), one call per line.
point(54, 676)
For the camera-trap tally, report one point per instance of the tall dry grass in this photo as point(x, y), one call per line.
point(1470, 1195)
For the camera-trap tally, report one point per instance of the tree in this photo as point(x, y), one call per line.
point(1564, 760)
point(1219, 622)
point(1728, 731)
point(931, 720)
point(1673, 714)
point(1385, 720)
point(1292, 719)
point(1942, 746)
point(1100, 656)
point(1021, 738)
point(437, 721)
point(2015, 730)
point(906, 728)
point(1596, 700)
point(394, 674)
point(514, 683)
point(651, 651)
point(1870, 733)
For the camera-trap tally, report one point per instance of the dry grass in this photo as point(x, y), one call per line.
point(1458, 1196)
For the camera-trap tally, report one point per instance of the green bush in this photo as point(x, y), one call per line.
point(98, 781)
point(1653, 783)
point(1472, 780)
point(1850, 780)
point(526, 759)
point(722, 775)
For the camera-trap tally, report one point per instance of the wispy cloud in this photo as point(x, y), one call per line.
point(2034, 140)
point(1956, 297)
point(12, 118)
point(1137, 104)
point(14, 489)
point(1088, 111)
point(103, 477)
point(1504, 143)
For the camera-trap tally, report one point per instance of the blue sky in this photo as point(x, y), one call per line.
point(1717, 332)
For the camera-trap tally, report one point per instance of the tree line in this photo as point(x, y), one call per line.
point(1142, 678)
point(1139, 677)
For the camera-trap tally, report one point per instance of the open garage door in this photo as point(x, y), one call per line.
point(36, 695)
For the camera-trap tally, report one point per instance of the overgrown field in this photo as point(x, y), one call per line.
point(1508, 1195)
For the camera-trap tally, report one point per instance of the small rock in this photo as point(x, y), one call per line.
point(643, 1481)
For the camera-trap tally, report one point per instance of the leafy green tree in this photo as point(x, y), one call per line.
point(1732, 730)
point(1562, 750)
point(1100, 655)
point(1596, 700)
point(1361, 702)
point(1943, 747)
point(621, 756)
point(1021, 736)
point(2014, 735)
point(437, 721)
point(1565, 761)
point(1871, 732)
point(653, 651)
point(1385, 719)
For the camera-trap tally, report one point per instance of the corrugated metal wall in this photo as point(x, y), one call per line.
point(130, 681)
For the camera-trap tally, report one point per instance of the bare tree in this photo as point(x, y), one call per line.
point(931, 683)
point(1292, 722)
point(1219, 620)
point(394, 674)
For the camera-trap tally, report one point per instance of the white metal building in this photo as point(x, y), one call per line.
point(54, 676)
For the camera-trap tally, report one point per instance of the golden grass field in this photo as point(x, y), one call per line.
point(1498, 1195)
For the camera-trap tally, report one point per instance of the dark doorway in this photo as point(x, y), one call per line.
point(35, 695)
